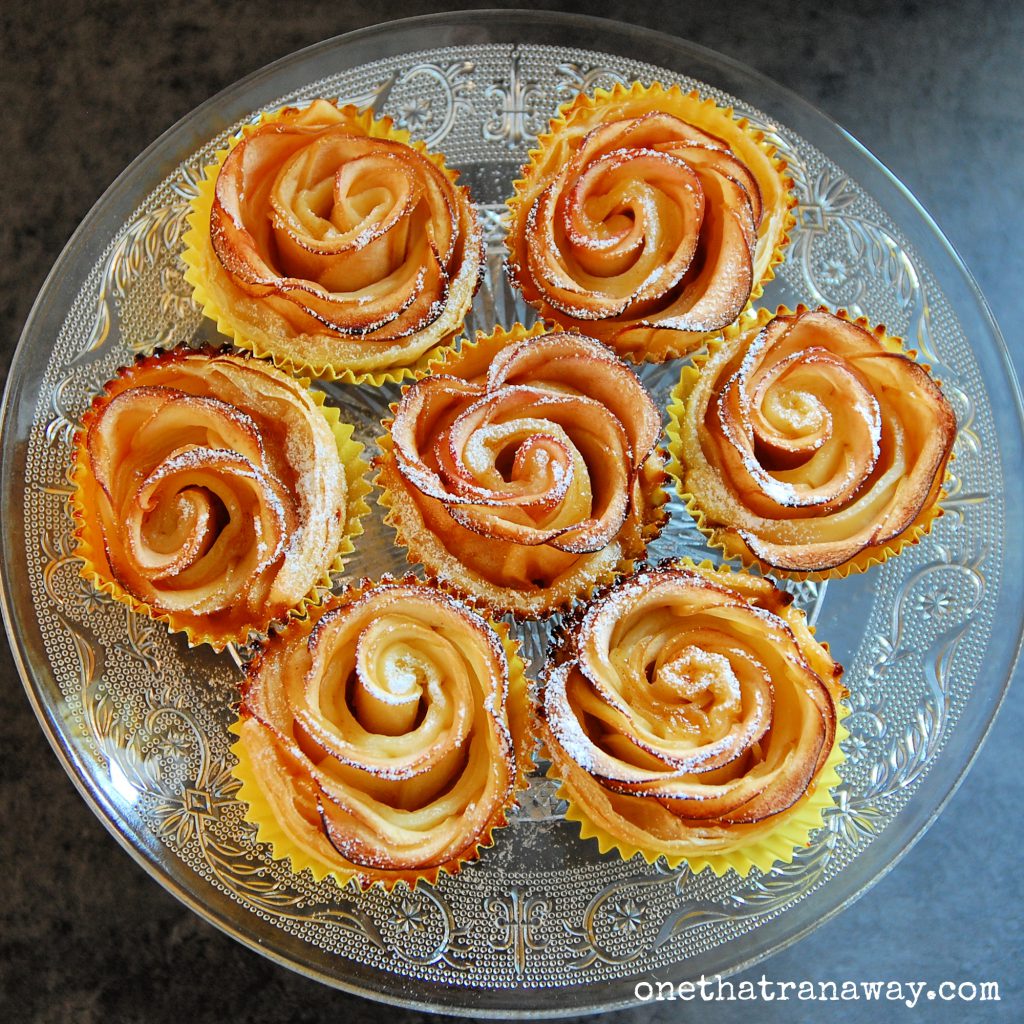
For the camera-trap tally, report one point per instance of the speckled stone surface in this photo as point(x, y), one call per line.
point(935, 90)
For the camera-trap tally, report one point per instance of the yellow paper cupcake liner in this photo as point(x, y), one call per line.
point(472, 357)
point(201, 262)
point(746, 142)
point(726, 540)
point(777, 847)
point(791, 833)
point(90, 547)
point(260, 813)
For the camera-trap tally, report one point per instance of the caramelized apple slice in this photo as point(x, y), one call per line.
point(210, 493)
point(544, 455)
point(648, 219)
point(689, 711)
point(811, 443)
point(327, 240)
point(396, 720)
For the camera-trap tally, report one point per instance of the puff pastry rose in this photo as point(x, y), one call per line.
point(325, 239)
point(691, 714)
point(214, 493)
point(648, 218)
point(524, 470)
point(383, 739)
point(810, 444)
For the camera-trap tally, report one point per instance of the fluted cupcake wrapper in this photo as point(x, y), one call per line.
point(260, 813)
point(779, 847)
point(90, 547)
point(201, 262)
point(792, 830)
point(705, 114)
point(422, 548)
point(726, 539)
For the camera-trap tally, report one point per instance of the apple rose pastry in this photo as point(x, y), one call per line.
point(648, 218)
point(810, 444)
point(324, 239)
point(385, 738)
point(214, 493)
point(691, 714)
point(524, 470)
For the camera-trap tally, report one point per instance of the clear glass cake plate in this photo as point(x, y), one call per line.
point(543, 924)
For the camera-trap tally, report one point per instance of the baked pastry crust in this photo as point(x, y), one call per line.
point(327, 240)
point(809, 443)
point(214, 493)
point(648, 218)
point(691, 714)
point(524, 469)
point(384, 738)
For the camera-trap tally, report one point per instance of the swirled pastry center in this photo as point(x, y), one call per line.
point(811, 441)
point(642, 204)
point(221, 492)
point(641, 228)
point(335, 244)
point(532, 463)
point(381, 738)
point(688, 709)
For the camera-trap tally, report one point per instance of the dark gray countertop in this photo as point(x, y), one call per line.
point(935, 90)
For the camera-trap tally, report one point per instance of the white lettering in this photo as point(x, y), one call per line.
point(990, 991)
point(649, 991)
point(916, 988)
point(909, 993)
